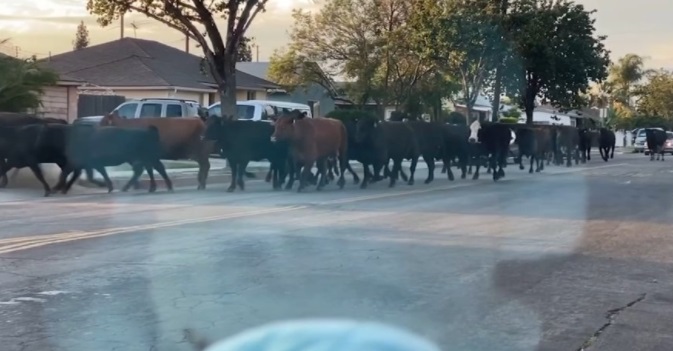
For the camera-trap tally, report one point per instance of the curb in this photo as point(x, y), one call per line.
point(186, 179)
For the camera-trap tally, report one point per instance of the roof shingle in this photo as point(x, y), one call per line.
point(139, 62)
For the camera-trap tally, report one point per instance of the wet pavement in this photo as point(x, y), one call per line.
point(575, 258)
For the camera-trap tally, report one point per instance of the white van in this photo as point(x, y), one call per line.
point(260, 110)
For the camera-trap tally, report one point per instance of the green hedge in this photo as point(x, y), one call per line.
point(513, 120)
point(350, 115)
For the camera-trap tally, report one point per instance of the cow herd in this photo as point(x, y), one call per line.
point(293, 144)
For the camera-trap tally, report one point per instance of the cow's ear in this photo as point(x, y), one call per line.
point(301, 115)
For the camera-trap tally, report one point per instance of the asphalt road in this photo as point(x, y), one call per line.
point(571, 258)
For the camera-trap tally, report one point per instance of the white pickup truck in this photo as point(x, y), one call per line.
point(260, 110)
point(143, 108)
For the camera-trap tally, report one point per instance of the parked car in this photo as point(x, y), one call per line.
point(168, 108)
point(260, 110)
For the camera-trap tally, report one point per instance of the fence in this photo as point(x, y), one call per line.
point(95, 105)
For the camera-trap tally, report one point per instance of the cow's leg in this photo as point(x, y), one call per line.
point(150, 174)
point(3, 173)
point(447, 168)
point(356, 178)
point(37, 171)
point(612, 152)
point(444, 168)
point(323, 173)
point(269, 174)
point(62, 177)
point(106, 178)
point(75, 175)
point(305, 175)
point(520, 160)
point(493, 164)
point(241, 174)
point(159, 167)
point(367, 176)
point(412, 170)
point(403, 175)
point(137, 172)
point(430, 162)
point(295, 168)
point(234, 165)
point(397, 167)
point(91, 179)
point(376, 172)
point(532, 160)
point(462, 162)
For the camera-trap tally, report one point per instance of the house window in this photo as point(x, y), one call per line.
point(252, 95)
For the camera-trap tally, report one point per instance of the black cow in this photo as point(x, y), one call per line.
point(566, 140)
point(495, 140)
point(11, 119)
point(457, 148)
point(527, 144)
point(606, 143)
point(431, 142)
point(93, 147)
point(243, 141)
point(388, 141)
point(585, 142)
point(656, 138)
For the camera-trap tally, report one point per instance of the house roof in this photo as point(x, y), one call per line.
point(257, 69)
point(139, 62)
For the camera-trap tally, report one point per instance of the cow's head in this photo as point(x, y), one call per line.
point(216, 127)
point(283, 128)
point(364, 128)
point(110, 119)
point(474, 132)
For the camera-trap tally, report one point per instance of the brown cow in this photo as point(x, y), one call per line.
point(312, 140)
point(181, 138)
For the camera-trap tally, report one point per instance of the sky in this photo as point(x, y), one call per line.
point(41, 27)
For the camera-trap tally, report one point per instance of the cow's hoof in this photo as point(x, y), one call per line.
point(410, 182)
point(356, 181)
point(363, 185)
point(231, 189)
point(428, 181)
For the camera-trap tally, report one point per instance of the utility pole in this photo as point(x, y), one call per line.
point(121, 28)
point(497, 84)
point(187, 43)
point(257, 53)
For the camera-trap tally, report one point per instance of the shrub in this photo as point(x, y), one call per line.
point(350, 115)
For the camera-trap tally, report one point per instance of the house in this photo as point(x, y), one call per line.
point(543, 113)
point(60, 100)
point(138, 68)
point(314, 95)
point(321, 99)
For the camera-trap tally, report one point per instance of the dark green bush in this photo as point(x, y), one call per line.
point(350, 115)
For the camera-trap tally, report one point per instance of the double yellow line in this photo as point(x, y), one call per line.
point(24, 243)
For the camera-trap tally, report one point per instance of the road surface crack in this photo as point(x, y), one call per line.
point(611, 316)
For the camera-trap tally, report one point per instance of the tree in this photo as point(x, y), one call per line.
point(22, 83)
point(292, 71)
point(360, 40)
point(554, 54)
point(624, 76)
point(197, 20)
point(81, 37)
point(462, 38)
point(656, 97)
point(245, 49)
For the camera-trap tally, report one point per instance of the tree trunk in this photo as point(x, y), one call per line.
point(227, 89)
point(497, 84)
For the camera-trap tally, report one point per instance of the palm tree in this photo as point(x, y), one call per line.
point(624, 76)
point(22, 84)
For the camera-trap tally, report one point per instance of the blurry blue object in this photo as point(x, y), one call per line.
point(324, 335)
